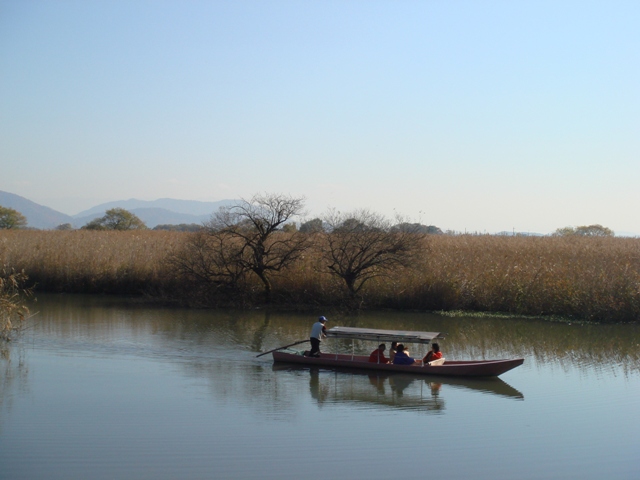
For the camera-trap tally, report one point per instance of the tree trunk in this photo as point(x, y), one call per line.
point(267, 286)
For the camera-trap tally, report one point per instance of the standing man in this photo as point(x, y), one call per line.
point(317, 334)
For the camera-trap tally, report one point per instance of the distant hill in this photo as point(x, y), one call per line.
point(190, 207)
point(507, 233)
point(37, 215)
point(150, 216)
point(165, 211)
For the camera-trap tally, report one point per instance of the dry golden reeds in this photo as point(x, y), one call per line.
point(596, 279)
point(85, 261)
point(13, 310)
point(590, 278)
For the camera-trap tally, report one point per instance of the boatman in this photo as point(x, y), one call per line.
point(318, 332)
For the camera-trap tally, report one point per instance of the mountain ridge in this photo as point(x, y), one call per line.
point(38, 216)
point(164, 211)
point(189, 207)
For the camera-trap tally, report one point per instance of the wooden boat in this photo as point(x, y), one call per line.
point(458, 368)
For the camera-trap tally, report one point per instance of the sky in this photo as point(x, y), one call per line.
point(477, 116)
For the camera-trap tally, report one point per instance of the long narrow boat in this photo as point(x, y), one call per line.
point(459, 368)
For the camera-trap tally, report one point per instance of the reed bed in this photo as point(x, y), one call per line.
point(13, 310)
point(85, 261)
point(594, 279)
point(588, 278)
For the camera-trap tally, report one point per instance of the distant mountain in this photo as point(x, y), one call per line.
point(165, 211)
point(150, 216)
point(507, 233)
point(190, 207)
point(37, 215)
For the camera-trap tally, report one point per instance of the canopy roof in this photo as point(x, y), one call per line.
point(379, 335)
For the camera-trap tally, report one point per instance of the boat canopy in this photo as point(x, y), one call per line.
point(405, 336)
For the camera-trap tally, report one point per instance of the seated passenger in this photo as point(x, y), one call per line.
point(433, 354)
point(392, 352)
point(402, 358)
point(377, 356)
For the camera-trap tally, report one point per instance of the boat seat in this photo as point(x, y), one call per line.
point(436, 363)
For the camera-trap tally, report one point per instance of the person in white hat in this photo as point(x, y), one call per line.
point(317, 334)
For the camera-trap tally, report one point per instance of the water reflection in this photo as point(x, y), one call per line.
point(403, 391)
point(124, 323)
point(394, 391)
point(14, 379)
point(181, 394)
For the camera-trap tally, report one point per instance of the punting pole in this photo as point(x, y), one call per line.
point(281, 348)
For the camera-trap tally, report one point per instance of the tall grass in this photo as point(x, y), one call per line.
point(590, 278)
point(85, 261)
point(595, 279)
point(13, 310)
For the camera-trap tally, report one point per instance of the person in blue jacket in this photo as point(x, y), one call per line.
point(402, 358)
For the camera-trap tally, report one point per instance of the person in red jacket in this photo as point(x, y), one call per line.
point(377, 356)
point(433, 354)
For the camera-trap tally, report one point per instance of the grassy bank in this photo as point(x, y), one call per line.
point(596, 279)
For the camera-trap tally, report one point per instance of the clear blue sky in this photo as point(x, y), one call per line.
point(468, 115)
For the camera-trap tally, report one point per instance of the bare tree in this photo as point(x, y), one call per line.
point(250, 232)
point(208, 260)
point(363, 245)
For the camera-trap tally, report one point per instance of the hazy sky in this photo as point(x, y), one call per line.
point(469, 115)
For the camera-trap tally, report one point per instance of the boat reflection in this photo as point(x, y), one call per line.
point(392, 389)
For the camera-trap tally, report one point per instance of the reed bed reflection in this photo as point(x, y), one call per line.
point(204, 333)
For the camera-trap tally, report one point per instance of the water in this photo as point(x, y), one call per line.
point(108, 388)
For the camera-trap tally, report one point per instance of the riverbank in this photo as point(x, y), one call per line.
point(589, 279)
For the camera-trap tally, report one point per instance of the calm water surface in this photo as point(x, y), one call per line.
point(107, 388)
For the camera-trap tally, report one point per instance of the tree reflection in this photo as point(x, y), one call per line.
point(220, 348)
point(568, 345)
point(13, 376)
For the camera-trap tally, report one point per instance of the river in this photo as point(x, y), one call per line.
point(111, 388)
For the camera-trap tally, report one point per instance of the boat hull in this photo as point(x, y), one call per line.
point(464, 368)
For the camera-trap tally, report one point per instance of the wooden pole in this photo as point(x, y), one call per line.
point(280, 348)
